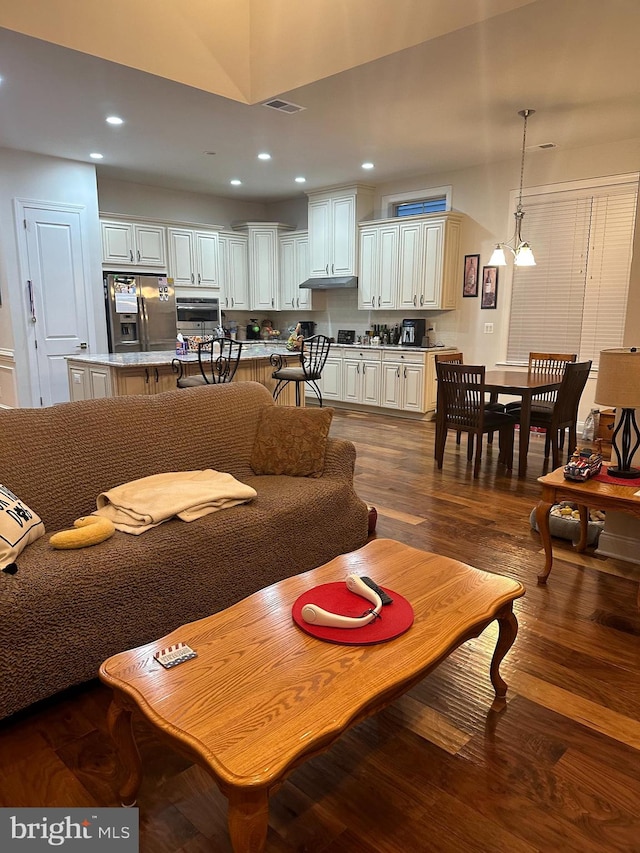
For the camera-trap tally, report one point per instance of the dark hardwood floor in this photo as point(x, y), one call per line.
point(557, 769)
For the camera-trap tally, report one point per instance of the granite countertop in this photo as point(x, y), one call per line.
point(250, 349)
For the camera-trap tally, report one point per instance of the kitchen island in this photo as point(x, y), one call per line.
point(117, 374)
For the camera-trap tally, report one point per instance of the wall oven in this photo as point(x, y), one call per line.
point(197, 315)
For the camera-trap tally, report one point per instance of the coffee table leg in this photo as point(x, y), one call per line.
point(508, 625)
point(542, 520)
point(248, 820)
point(121, 731)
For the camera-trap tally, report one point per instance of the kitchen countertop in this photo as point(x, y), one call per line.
point(250, 350)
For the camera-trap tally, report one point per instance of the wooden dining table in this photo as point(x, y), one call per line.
point(525, 384)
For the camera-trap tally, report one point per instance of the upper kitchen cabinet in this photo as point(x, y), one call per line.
point(294, 269)
point(429, 261)
point(234, 270)
point(377, 284)
point(333, 218)
point(128, 244)
point(410, 263)
point(264, 263)
point(193, 257)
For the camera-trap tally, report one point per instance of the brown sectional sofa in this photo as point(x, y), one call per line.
point(64, 612)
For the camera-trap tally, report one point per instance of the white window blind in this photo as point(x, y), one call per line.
point(574, 299)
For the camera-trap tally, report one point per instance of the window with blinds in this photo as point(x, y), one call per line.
point(575, 298)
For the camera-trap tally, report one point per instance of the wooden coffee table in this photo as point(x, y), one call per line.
point(263, 696)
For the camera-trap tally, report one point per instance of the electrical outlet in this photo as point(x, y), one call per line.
point(488, 328)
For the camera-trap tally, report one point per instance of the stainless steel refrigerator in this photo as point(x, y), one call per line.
point(141, 312)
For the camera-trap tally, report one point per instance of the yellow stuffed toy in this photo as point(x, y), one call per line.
point(88, 530)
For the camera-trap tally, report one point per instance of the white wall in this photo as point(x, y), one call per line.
point(38, 178)
point(129, 199)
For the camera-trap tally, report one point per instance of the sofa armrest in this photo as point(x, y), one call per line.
point(340, 459)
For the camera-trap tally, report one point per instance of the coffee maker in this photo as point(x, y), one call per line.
point(307, 328)
point(412, 333)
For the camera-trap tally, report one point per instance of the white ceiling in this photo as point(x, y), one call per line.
point(445, 104)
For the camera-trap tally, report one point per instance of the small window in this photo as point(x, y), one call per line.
point(427, 205)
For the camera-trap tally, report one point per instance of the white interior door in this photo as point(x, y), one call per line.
point(57, 283)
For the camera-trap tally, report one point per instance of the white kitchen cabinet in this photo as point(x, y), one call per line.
point(361, 371)
point(403, 381)
point(264, 263)
point(333, 217)
point(377, 283)
point(129, 244)
point(294, 269)
point(418, 269)
point(193, 257)
point(234, 270)
point(331, 380)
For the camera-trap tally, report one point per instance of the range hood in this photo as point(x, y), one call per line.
point(338, 282)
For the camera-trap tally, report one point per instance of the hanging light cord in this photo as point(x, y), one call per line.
point(525, 115)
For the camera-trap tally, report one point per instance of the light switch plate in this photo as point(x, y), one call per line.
point(488, 328)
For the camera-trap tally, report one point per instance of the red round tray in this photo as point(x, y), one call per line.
point(335, 597)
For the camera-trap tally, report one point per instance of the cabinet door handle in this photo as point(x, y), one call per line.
point(297, 303)
point(157, 375)
point(292, 305)
point(333, 269)
point(272, 302)
point(232, 302)
point(192, 279)
point(199, 279)
point(405, 371)
point(226, 302)
point(358, 367)
point(131, 255)
point(146, 375)
point(415, 300)
point(398, 371)
point(378, 301)
point(364, 367)
point(421, 299)
point(373, 302)
point(138, 255)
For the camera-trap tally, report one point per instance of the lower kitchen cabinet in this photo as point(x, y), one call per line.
point(361, 378)
point(385, 377)
point(403, 381)
point(88, 382)
point(331, 381)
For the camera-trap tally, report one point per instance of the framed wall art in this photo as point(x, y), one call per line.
point(489, 287)
point(471, 272)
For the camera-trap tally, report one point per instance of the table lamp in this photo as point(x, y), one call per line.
point(619, 386)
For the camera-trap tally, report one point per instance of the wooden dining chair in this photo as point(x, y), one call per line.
point(458, 358)
point(462, 391)
point(548, 363)
point(562, 415)
point(218, 360)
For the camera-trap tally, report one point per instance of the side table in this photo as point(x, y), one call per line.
point(591, 493)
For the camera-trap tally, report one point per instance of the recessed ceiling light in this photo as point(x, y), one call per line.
point(367, 165)
point(96, 156)
point(114, 120)
point(264, 156)
point(235, 182)
point(300, 180)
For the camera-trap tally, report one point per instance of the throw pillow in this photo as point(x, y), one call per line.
point(19, 526)
point(291, 441)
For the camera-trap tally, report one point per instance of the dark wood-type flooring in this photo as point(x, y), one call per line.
point(557, 769)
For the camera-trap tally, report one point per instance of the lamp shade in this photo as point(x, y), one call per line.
point(498, 259)
point(618, 382)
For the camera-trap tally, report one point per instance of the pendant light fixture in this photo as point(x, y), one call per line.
point(521, 250)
